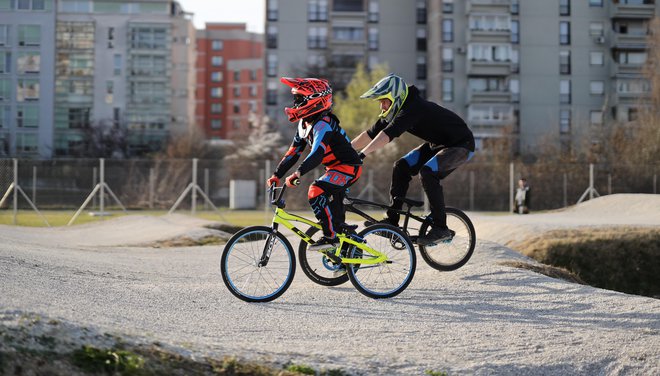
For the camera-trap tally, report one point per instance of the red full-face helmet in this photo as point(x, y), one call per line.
point(310, 96)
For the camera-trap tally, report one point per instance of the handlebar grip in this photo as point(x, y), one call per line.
point(295, 181)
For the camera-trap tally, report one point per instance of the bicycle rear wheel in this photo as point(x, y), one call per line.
point(387, 279)
point(451, 254)
point(318, 267)
point(258, 265)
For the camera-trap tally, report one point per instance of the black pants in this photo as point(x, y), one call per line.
point(433, 163)
point(326, 196)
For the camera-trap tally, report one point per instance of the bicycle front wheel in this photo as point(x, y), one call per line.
point(450, 254)
point(258, 264)
point(391, 277)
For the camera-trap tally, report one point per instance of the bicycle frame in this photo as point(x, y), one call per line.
point(350, 203)
point(284, 218)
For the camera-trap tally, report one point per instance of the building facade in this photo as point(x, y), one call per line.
point(27, 64)
point(229, 80)
point(329, 38)
point(543, 71)
point(122, 66)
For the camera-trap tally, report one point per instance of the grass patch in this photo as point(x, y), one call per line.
point(625, 259)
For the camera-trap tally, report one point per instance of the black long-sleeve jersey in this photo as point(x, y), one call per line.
point(428, 121)
point(329, 145)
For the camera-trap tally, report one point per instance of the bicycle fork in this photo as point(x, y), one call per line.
point(268, 248)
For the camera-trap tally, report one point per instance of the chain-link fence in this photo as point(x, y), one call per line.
point(156, 184)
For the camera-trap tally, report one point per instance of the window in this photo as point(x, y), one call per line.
point(4, 35)
point(564, 62)
point(271, 36)
point(347, 6)
point(447, 30)
point(216, 76)
point(317, 38)
point(28, 62)
point(596, 58)
point(26, 143)
point(317, 10)
point(632, 58)
point(27, 90)
point(487, 84)
point(216, 108)
point(271, 65)
point(5, 62)
point(148, 38)
point(253, 75)
point(271, 10)
point(6, 4)
point(216, 92)
point(564, 33)
point(447, 59)
point(348, 33)
point(447, 90)
point(596, 29)
point(514, 87)
point(373, 14)
point(515, 6)
point(29, 35)
point(596, 88)
point(489, 52)
point(565, 91)
point(373, 38)
point(489, 114)
point(488, 22)
point(564, 121)
point(596, 117)
point(5, 89)
point(595, 3)
point(448, 6)
point(564, 7)
point(421, 12)
point(253, 90)
point(117, 64)
point(5, 114)
point(217, 45)
point(421, 68)
point(237, 91)
point(421, 39)
point(23, 5)
point(216, 124)
point(271, 94)
point(237, 108)
point(515, 33)
point(216, 61)
point(27, 116)
point(237, 75)
point(515, 66)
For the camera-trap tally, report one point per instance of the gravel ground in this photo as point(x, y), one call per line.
point(482, 319)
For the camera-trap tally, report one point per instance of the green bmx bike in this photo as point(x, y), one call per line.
point(258, 263)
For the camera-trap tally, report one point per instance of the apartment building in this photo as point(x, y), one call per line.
point(126, 65)
point(328, 38)
point(548, 71)
point(229, 80)
point(27, 56)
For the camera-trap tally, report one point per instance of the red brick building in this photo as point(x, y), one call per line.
point(229, 79)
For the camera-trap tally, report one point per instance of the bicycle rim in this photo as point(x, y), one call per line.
point(451, 254)
point(387, 279)
point(240, 268)
point(317, 267)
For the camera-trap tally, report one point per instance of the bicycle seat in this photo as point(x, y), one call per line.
point(410, 201)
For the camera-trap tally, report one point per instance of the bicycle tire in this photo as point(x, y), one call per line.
point(317, 267)
point(450, 255)
point(282, 259)
point(402, 262)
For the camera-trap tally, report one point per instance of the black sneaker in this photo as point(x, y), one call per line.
point(436, 235)
point(386, 220)
point(324, 243)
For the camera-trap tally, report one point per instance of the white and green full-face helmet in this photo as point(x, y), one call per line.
point(393, 88)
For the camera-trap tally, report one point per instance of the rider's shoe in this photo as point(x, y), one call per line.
point(436, 235)
point(386, 220)
point(345, 228)
point(324, 243)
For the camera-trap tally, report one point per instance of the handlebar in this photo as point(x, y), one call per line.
point(276, 199)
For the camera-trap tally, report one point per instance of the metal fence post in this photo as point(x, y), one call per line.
point(609, 184)
point(102, 182)
point(565, 190)
point(206, 187)
point(267, 173)
point(655, 183)
point(94, 182)
point(152, 189)
point(193, 196)
point(511, 185)
point(34, 184)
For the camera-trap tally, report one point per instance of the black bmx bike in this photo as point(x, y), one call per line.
point(445, 255)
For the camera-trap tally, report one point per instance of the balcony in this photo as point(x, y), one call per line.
point(488, 6)
point(633, 9)
point(489, 36)
point(480, 96)
point(491, 115)
point(488, 68)
point(626, 70)
point(630, 41)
